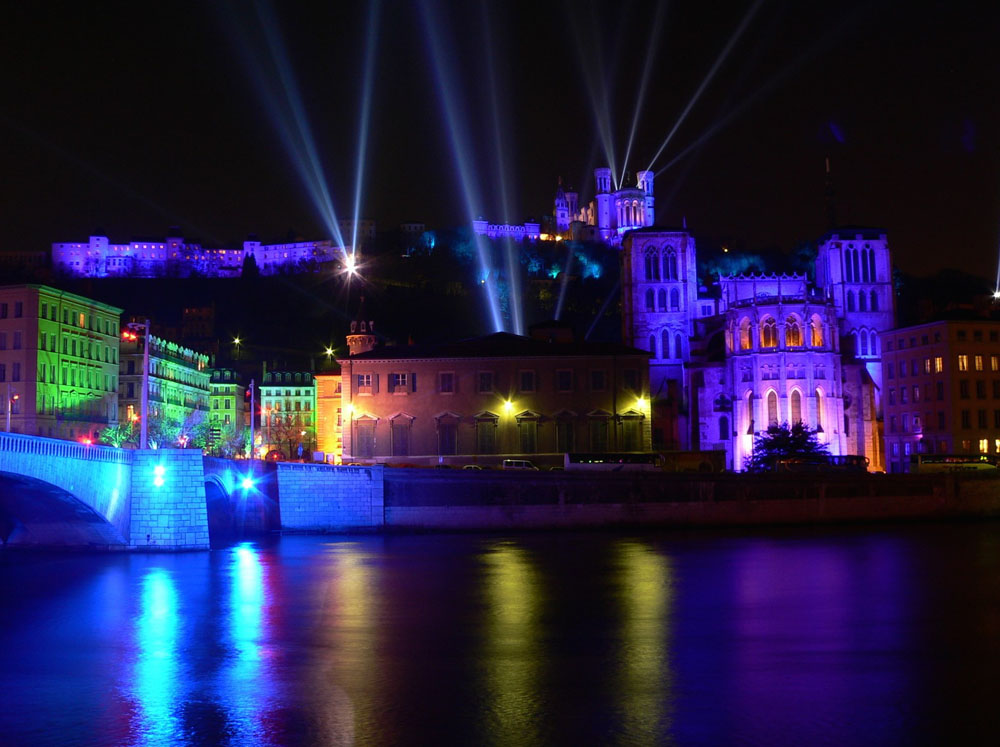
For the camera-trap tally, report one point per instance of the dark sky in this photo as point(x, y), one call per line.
point(138, 116)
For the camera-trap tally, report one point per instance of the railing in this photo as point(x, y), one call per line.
point(16, 443)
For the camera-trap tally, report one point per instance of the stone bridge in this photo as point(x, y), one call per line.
point(61, 493)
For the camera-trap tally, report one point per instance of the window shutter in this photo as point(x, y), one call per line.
point(375, 383)
point(413, 378)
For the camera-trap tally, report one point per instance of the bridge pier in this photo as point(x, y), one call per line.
point(168, 500)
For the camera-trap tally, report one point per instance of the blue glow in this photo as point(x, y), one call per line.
point(247, 483)
point(707, 79)
point(158, 472)
point(245, 690)
point(156, 681)
point(461, 151)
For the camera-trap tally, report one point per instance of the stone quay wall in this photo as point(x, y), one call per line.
point(321, 496)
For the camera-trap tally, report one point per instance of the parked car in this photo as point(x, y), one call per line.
point(519, 464)
point(474, 467)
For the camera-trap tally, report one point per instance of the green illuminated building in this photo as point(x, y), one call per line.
point(58, 362)
point(288, 413)
point(178, 387)
point(228, 412)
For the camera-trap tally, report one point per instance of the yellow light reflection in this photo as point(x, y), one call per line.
point(513, 646)
point(345, 676)
point(644, 679)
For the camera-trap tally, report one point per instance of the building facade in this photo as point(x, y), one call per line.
point(58, 362)
point(288, 414)
point(179, 388)
point(329, 416)
point(764, 349)
point(176, 257)
point(494, 397)
point(942, 390)
point(228, 413)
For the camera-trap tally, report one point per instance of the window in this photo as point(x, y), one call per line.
point(564, 380)
point(486, 436)
point(447, 437)
point(940, 420)
point(365, 436)
point(17, 340)
point(3, 372)
point(745, 338)
point(772, 409)
point(874, 304)
point(401, 436)
point(632, 434)
point(994, 363)
point(15, 371)
point(446, 382)
point(649, 300)
point(670, 265)
point(3, 311)
point(18, 309)
point(630, 377)
point(793, 332)
point(963, 363)
point(399, 383)
point(796, 407)
point(3, 340)
point(527, 432)
point(815, 332)
point(768, 333)
point(963, 388)
point(927, 365)
point(485, 382)
point(661, 299)
point(597, 380)
point(978, 362)
point(938, 364)
point(892, 396)
point(675, 299)
point(850, 300)
point(599, 434)
point(981, 418)
point(526, 381)
point(980, 389)
point(966, 419)
point(565, 440)
point(940, 390)
point(364, 383)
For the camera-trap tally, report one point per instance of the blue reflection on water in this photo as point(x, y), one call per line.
point(245, 686)
point(156, 671)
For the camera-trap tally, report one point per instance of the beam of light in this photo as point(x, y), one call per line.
point(652, 46)
point(604, 307)
point(366, 101)
point(460, 149)
point(500, 151)
point(564, 280)
point(595, 77)
point(826, 42)
point(283, 104)
point(747, 17)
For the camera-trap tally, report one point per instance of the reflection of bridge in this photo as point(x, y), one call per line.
point(61, 493)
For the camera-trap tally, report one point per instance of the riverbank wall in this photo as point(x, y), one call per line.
point(416, 499)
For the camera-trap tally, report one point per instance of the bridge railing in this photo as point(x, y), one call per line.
point(16, 443)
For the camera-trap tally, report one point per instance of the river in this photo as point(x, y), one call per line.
point(856, 635)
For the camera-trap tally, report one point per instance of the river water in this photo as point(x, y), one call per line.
point(876, 635)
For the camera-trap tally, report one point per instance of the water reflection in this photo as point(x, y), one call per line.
point(513, 647)
point(246, 683)
point(157, 669)
point(343, 695)
point(644, 680)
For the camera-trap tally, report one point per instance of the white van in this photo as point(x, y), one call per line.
point(518, 464)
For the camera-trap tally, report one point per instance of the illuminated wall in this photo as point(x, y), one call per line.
point(329, 417)
point(59, 358)
point(227, 403)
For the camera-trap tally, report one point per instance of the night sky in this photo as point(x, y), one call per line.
point(139, 116)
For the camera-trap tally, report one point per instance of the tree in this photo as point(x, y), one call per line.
point(782, 442)
point(119, 435)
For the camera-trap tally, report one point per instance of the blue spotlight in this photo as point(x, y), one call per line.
point(247, 483)
point(748, 16)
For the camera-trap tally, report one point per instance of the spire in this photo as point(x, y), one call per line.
point(362, 336)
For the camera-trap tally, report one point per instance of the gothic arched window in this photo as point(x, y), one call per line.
point(675, 299)
point(678, 347)
point(769, 333)
point(874, 303)
point(864, 265)
point(652, 345)
point(745, 341)
point(793, 332)
point(652, 265)
point(848, 277)
point(661, 297)
point(871, 262)
point(863, 337)
point(850, 300)
point(669, 264)
point(815, 331)
point(772, 408)
point(665, 342)
point(649, 299)
point(819, 408)
point(723, 428)
point(796, 407)
point(874, 343)
point(862, 301)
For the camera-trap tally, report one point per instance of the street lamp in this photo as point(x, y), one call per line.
point(11, 399)
point(135, 327)
point(237, 341)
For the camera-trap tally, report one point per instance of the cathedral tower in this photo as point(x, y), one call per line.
point(362, 336)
